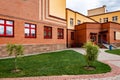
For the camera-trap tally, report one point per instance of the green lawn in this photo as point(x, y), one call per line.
point(115, 51)
point(66, 62)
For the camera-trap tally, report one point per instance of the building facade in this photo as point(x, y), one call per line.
point(103, 16)
point(74, 18)
point(46, 25)
point(99, 26)
point(105, 31)
point(36, 24)
point(99, 33)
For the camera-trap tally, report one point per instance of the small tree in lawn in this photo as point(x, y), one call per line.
point(15, 50)
point(91, 54)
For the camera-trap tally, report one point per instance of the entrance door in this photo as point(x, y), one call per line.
point(99, 39)
point(104, 38)
point(93, 38)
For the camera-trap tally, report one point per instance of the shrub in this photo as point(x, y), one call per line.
point(15, 50)
point(91, 53)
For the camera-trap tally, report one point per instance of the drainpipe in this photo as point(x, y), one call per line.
point(67, 37)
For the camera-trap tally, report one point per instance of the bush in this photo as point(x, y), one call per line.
point(91, 53)
point(15, 50)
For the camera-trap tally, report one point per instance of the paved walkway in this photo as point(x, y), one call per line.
point(112, 60)
point(103, 56)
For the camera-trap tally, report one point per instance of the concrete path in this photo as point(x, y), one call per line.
point(112, 60)
point(103, 56)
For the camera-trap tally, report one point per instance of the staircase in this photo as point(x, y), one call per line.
point(108, 45)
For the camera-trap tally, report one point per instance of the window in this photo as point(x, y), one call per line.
point(78, 22)
point(47, 32)
point(105, 19)
point(71, 21)
point(72, 35)
point(93, 38)
point(100, 20)
point(30, 30)
point(60, 33)
point(6, 28)
point(114, 18)
point(114, 35)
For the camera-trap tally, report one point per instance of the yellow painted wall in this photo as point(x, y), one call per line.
point(70, 14)
point(109, 15)
point(57, 8)
point(82, 18)
point(76, 16)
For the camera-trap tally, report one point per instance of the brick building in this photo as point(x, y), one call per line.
point(45, 25)
point(74, 18)
point(99, 26)
point(99, 33)
point(36, 24)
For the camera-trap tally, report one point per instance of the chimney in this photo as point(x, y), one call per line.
point(104, 6)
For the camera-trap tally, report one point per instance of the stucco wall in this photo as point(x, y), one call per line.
point(97, 11)
point(76, 16)
point(70, 14)
point(82, 18)
point(57, 8)
point(107, 15)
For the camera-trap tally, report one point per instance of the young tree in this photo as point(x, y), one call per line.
point(15, 50)
point(91, 53)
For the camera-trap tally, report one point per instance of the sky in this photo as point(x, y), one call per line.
point(83, 5)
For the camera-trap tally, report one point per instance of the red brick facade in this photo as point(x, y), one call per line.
point(20, 8)
point(23, 11)
point(102, 32)
point(19, 35)
point(37, 12)
point(70, 38)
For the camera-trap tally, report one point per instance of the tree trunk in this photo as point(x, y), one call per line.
point(15, 63)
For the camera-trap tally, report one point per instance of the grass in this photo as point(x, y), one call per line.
point(66, 62)
point(115, 51)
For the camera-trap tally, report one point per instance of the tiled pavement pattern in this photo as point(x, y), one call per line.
point(112, 60)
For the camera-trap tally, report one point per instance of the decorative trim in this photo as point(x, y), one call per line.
point(57, 18)
point(41, 9)
point(42, 22)
point(53, 15)
point(47, 17)
point(71, 29)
